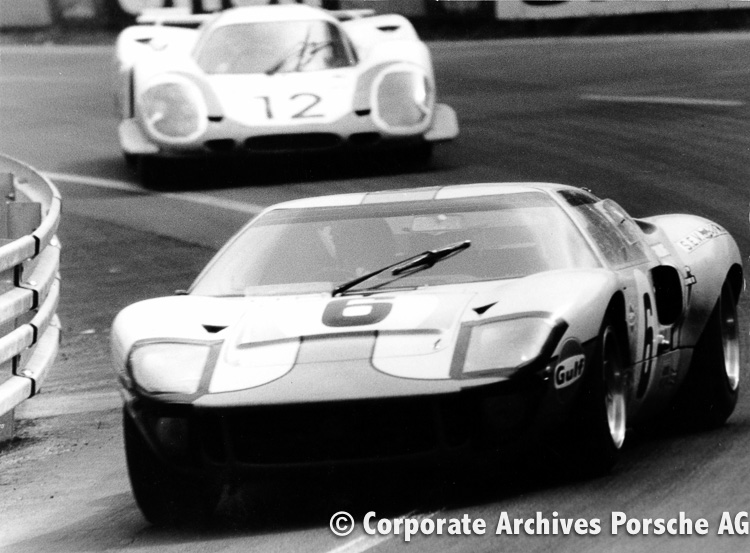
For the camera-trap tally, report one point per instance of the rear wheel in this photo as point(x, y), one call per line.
point(709, 394)
point(163, 496)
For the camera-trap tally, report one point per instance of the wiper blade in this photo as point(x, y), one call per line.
point(429, 258)
point(407, 266)
point(298, 49)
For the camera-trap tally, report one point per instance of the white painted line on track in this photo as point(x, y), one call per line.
point(230, 205)
point(469, 44)
point(40, 79)
point(95, 181)
point(58, 49)
point(360, 544)
point(200, 199)
point(669, 100)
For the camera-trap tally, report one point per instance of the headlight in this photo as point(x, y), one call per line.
point(403, 99)
point(173, 109)
point(169, 367)
point(502, 347)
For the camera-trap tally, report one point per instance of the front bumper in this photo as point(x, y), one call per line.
point(355, 131)
point(399, 430)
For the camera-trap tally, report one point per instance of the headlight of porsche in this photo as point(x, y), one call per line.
point(403, 99)
point(169, 367)
point(173, 109)
point(503, 347)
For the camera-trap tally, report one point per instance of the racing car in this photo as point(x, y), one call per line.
point(280, 78)
point(423, 324)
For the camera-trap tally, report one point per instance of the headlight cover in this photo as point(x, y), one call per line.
point(503, 347)
point(169, 367)
point(402, 99)
point(173, 109)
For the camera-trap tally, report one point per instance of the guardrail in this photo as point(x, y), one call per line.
point(30, 207)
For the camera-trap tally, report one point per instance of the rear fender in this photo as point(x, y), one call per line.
point(366, 32)
point(578, 297)
point(709, 255)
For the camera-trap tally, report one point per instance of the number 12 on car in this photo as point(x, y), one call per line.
point(304, 105)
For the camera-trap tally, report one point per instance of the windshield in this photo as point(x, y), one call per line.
point(274, 47)
point(290, 251)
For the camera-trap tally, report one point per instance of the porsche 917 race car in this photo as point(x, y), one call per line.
point(278, 78)
point(426, 324)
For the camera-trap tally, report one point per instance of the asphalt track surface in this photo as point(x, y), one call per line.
point(658, 123)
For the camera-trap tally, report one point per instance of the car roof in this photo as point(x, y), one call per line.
point(278, 12)
point(423, 194)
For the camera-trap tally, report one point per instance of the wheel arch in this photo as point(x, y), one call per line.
point(617, 312)
point(736, 280)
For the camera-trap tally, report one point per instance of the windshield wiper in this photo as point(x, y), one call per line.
point(406, 267)
point(299, 49)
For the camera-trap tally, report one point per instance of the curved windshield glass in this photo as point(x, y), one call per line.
point(274, 47)
point(289, 251)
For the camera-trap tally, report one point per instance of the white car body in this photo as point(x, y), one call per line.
point(238, 111)
point(426, 323)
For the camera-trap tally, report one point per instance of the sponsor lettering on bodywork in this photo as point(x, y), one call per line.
point(569, 369)
point(700, 236)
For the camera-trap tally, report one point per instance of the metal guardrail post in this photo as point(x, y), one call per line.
point(30, 207)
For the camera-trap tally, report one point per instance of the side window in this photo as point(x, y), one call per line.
point(622, 221)
point(615, 233)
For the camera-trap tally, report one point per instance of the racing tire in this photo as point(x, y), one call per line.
point(419, 156)
point(163, 496)
point(709, 393)
point(413, 157)
point(151, 172)
point(422, 154)
point(131, 160)
point(599, 421)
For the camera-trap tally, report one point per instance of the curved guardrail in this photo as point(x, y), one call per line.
point(30, 208)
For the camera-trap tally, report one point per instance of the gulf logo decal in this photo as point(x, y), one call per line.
point(569, 370)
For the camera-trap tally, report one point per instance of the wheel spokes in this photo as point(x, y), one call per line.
point(614, 396)
point(730, 340)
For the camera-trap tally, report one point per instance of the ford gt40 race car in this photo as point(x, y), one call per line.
point(422, 324)
point(275, 79)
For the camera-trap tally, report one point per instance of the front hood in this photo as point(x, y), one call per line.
point(390, 343)
point(404, 334)
point(286, 99)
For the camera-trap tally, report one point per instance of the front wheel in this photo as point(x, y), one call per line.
point(599, 422)
point(419, 156)
point(131, 160)
point(709, 393)
point(164, 496)
point(153, 171)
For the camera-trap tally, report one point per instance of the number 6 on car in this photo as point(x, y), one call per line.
point(413, 325)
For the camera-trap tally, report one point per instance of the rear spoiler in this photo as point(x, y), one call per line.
point(178, 17)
